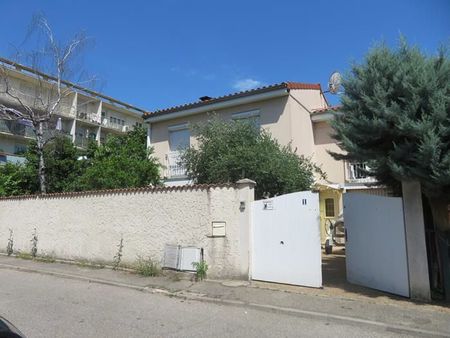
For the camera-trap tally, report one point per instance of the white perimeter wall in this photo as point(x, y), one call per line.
point(376, 245)
point(89, 226)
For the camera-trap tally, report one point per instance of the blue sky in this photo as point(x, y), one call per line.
point(156, 54)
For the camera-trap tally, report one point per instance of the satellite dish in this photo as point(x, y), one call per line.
point(334, 83)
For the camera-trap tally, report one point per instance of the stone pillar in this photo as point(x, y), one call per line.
point(416, 250)
point(73, 130)
point(98, 134)
point(246, 191)
point(149, 135)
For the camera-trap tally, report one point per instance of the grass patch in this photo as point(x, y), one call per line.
point(24, 255)
point(147, 267)
point(88, 264)
point(200, 269)
point(45, 259)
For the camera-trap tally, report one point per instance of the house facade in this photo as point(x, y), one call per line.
point(294, 113)
point(82, 115)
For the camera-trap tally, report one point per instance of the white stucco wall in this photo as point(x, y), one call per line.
point(89, 226)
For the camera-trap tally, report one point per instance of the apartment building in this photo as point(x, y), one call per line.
point(82, 115)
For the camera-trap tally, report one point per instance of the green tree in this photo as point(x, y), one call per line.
point(13, 180)
point(123, 161)
point(62, 167)
point(62, 163)
point(396, 117)
point(229, 151)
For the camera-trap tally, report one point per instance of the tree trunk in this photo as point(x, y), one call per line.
point(40, 152)
point(441, 212)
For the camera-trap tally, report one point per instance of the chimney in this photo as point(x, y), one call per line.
point(205, 98)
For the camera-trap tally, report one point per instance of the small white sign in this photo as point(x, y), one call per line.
point(218, 229)
point(267, 205)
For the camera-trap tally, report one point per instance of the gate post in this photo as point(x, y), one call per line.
point(416, 250)
point(246, 190)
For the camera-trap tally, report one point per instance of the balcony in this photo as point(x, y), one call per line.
point(8, 158)
point(83, 141)
point(116, 126)
point(16, 128)
point(88, 117)
point(356, 172)
point(174, 167)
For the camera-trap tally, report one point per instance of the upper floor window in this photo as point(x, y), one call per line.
point(251, 116)
point(179, 137)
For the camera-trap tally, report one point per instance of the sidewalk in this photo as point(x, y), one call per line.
point(363, 308)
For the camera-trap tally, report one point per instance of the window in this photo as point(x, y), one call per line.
point(329, 207)
point(358, 170)
point(179, 136)
point(251, 116)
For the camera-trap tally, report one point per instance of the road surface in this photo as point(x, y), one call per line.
point(49, 306)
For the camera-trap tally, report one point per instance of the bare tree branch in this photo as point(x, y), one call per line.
point(48, 90)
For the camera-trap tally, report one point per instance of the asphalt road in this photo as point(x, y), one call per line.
point(48, 306)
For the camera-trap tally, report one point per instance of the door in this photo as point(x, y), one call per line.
point(286, 240)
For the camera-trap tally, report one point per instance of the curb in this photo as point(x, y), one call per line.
point(186, 295)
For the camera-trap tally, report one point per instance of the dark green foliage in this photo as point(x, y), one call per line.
point(62, 168)
point(396, 116)
point(14, 180)
point(62, 164)
point(229, 151)
point(122, 162)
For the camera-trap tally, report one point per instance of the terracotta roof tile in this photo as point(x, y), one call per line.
point(158, 189)
point(282, 85)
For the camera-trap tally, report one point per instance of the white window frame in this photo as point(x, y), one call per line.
point(246, 114)
point(178, 127)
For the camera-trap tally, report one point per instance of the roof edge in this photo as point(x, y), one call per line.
point(283, 85)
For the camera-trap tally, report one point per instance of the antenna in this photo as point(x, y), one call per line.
point(334, 83)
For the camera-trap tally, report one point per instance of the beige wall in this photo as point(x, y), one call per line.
point(324, 142)
point(89, 226)
point(301, 131)
point(273, 117)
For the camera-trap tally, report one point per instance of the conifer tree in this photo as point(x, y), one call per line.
point(396, 117)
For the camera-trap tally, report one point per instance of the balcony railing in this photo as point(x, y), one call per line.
point(89, 117)
point(16, 128)
point(174, 167)
point(356, 172)
point(8, 158)
point(83, 142)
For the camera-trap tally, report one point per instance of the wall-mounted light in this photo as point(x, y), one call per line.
point(242, 206)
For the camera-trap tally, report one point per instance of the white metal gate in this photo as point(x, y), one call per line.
point(376, 245)
point(286, 239)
